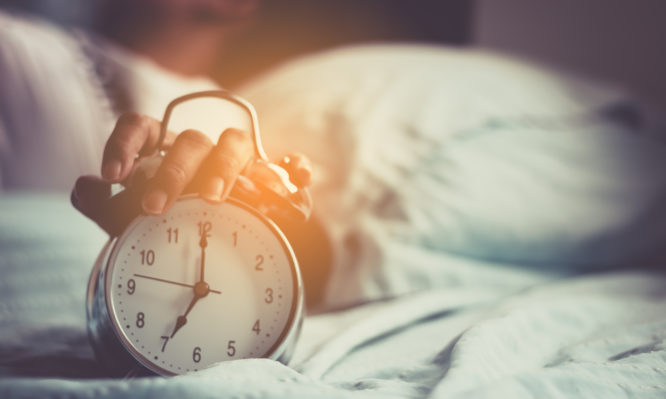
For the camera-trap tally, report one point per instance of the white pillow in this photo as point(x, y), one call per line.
point(429, 157)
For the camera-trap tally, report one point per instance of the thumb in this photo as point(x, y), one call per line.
point(91, 195)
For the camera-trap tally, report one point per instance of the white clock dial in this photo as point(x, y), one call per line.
point(175, 320)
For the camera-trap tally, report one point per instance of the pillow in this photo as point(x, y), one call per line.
point(62, 92)
point(430, 159)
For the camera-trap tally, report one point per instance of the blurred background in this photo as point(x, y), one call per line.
point(616, 41)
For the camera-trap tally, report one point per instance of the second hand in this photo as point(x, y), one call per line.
point(172, 282)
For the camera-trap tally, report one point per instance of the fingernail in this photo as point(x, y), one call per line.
point(111, 170)
point(213, 189)
point(153, 203)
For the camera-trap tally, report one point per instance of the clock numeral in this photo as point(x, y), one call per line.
point(269, 295)
point(235, 236)
point(147, 257)
point(173, 235)
point(196, 355)
point(131, 286)
point(140, 320)
point(260, 261)
point(256, 328)
point(166, 339)
point(204, 227)
point(231, 348)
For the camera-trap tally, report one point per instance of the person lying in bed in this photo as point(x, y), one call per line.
point(56, 115)
point(185, 38)
point(193, 163)
point(437, 166)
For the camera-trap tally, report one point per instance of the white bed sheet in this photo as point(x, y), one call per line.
point(456, 156)
point(600, 335)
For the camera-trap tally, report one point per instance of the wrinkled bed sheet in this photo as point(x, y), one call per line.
point(429, 160)
point(600, 335)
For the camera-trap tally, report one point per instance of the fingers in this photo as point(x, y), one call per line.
point(192, 160)
point(133, 135)
point(227, 160)
point(299, 168)
point(178, 169)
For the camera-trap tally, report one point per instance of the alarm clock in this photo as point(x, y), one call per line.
point(203, 283)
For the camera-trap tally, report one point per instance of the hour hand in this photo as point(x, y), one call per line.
point(201, 289)
point(182, 320)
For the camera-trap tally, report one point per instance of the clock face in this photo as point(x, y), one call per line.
point(202, 284)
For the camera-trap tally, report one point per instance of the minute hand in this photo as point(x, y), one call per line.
point(203, 243)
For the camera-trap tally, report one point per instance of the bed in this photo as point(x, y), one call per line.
point(579, 336)
point(497, 227)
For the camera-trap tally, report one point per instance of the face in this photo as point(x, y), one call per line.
point(202, 284)
point(214, 10)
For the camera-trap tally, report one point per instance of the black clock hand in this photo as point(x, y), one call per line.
point(172, 282)
point(200, 290)
point(182, 319)
point(203, 243)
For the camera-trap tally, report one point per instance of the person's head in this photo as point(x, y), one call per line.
point(182, 35)
point(186, 36)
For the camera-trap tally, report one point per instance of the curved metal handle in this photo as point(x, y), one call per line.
point(225, 95)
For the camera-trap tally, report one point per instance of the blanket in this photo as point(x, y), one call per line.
point(576, 336)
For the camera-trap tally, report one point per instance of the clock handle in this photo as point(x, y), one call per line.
point(270, 188)
point(259, 152)
point(266, 186)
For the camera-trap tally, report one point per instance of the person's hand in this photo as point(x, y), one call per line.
point(193, 163)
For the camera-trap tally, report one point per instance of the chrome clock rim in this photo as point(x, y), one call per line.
point(280, 351)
